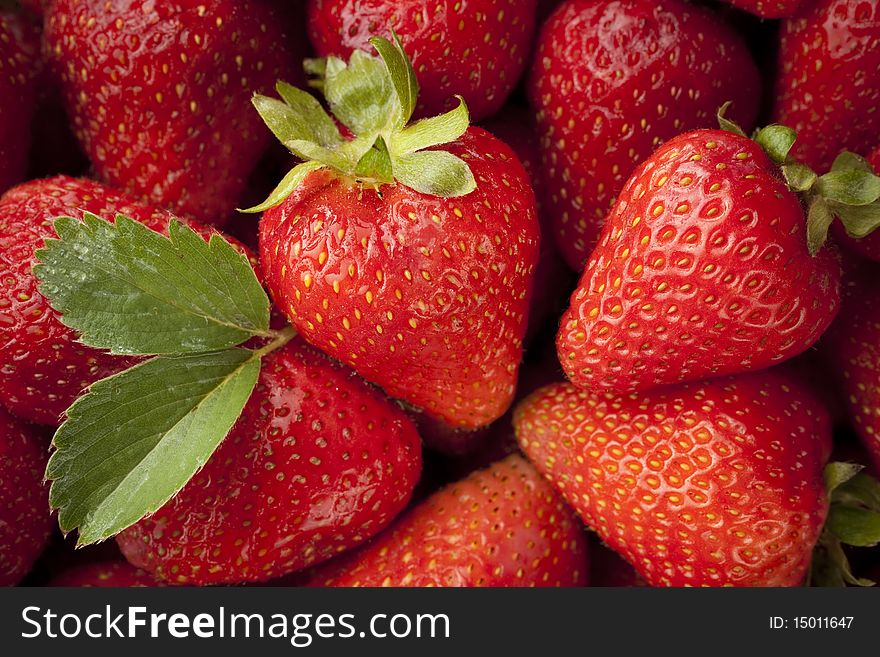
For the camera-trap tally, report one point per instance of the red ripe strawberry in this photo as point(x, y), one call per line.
point(869, 246)
point(769, 8)
point(476, 49)
point(503, 526)
point(19, 53)
point(852, 349)
point(317, 463)
point(829, 78)
point(183, 137)
point(43, 368)
point(425, 296)
point(706, 484)
point(611, 81)
point(25, 521)
point(105, 574)
point(702, 269)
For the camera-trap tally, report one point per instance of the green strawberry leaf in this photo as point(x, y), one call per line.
point(321, 126)
point(800, 178)
point(402, 75)
point(376, 163)
point(849, 187)
point(848, 161)
point(860, 490)
point(361, 93)
point(132, 442)
point(286, 187)
point(434, 131)
point(838, 473)
point(858, 220)
point(819, 220)
point(854, 526)
point(435, 172)
point(777, 141)
point(726, 124)
point(130, 290)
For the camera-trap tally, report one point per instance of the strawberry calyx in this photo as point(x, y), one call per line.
point(849, 192)
point(374, 99)
point(853, 520)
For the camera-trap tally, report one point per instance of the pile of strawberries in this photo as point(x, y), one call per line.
point(613, 334)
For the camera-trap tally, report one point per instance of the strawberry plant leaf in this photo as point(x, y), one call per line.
point(850, 187)
point(286, 187)
point(726, 124)
point(777, 141)
point(858, 220)
point(855, 526)
point(848, 161)
point(860, 490)
point(838, 473)
point(800, 178)
point(402, 75)
point(137, 437)
point(361, 93)
point(435, 172)
point(819, 220)
point(321, 126)
point(434, 131)
point(130, 290)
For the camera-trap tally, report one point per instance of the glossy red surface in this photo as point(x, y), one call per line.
point(707, 484)
point(425, 296)
point(702, 270)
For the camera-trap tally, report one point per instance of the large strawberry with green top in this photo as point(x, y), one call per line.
point(317, 463)
point(406, 251)
point(501, 526)
point(610, 82)
point(43, 366)
point(828, 82)
point(19, 54)
point(476, 49)
point(709, 265)
point(706, 484)
point(182, 136)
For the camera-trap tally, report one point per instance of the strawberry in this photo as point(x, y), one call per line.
point(182, 137)
point(19, 50)
point(106, 574)
point(411, 264)
point(25, 521)
point(476, 49)
point(705, 484)
point(769, 8)
point(42, 366)
point(611, 80)
point(829, 78)
point(503, 526)
point(317, 463)
point(703, 268)
point(852, 349)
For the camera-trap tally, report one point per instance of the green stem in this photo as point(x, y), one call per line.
point(281, 338)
